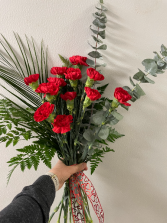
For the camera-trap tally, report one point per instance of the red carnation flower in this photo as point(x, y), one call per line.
point(71, 69)
point(58, 81)
point(93, 94)
point(122, 96)
point(32, 78)
point(58, 70)
point(62, 123)
point(94, 74)
point(74, 75)
point(43, 112)
point(75, 60)
point(50, 88)
point(68, 96)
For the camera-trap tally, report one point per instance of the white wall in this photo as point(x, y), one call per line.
point(132, 182)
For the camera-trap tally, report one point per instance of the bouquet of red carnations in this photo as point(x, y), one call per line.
point(66, 114)
point(77, 128)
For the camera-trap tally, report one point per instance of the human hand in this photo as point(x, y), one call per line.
point(64, 172)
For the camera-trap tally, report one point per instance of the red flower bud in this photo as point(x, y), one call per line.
point(43, 112)
point(75, 60)
point(93, 94)
point(32, 78)
point(94, 74)
point(58, 81)
point(58, 70)
point(122, 96)
point(62, 123)
point(68, 96)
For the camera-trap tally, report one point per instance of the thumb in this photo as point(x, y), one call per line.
point(79, 167)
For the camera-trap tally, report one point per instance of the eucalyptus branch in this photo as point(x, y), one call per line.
point(139, 82)
point(100, 126)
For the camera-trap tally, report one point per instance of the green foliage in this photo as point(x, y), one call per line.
point(66, 62)
point(102, 8)
point(97, 40)
point(139, 90)
point(149, 80)
point(99, 33)
point(31, 156)
point(100, 23)
point(13, 69)
point(24, 127)
point(117, 115)
point(152, 67)
point(95, 54)
point(88, 135)
point(101, 89)
point(98, 117)
point(97, 156)
point(104, 132)
point(102, 47)
point(10, 173)
point(159, 60)
point(113, 135)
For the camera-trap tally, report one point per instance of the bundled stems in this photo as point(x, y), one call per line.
point(55, 210)
point(80, 117)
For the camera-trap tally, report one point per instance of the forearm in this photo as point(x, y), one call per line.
point(32, 204)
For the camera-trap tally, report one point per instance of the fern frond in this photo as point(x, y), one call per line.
point(31, 156)
point(10, 174)
point(97, 156)
point(114, 135)
point(66, 62)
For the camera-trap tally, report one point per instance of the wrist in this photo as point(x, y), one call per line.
point(59, 176)
point(55, 179)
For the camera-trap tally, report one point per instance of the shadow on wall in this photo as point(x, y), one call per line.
point(125, 172)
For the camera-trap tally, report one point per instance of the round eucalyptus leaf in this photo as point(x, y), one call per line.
point(149, 80)
point(88, 135)
point(99, 24)
point(150, 66)
point(95, 54)
point(104, 132)
point(98, 117)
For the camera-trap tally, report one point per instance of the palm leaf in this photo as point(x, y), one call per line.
point(11, 52)
point(18, 84)
point(12, 71)
point(30, 54)
point(22, 50)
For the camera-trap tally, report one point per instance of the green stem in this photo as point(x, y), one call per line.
point(66, 201)
point(61, 203)
point(55, 210)
point(71, 149)
point(78, 123)
point(60, 213)
point(86, 205)
point(60, 145)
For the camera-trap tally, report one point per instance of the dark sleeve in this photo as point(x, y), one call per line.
point(32, 205)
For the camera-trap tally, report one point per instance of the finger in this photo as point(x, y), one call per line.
point(79, 167)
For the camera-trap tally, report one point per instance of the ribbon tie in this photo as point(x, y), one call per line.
point(80, 181)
